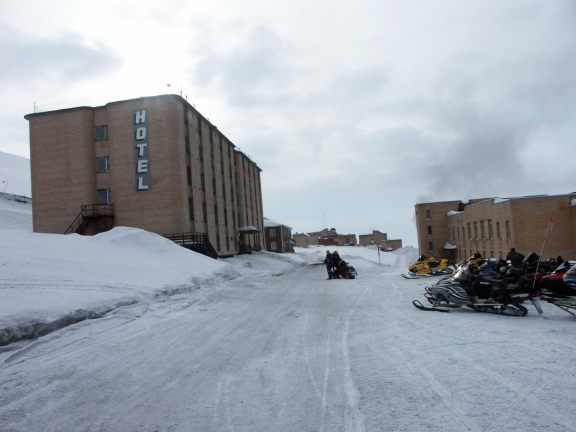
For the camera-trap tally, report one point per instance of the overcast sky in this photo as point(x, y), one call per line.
point(354, 111)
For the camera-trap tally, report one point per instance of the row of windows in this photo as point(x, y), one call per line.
point(479, 230)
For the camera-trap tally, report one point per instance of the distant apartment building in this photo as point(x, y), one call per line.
point(330, 237)
point(153, 163)
point(455, 230)
point(301, 240)
point(278, 237)
point(381, 239)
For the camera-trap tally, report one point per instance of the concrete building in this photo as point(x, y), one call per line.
point(278, 237)
point(381, 239)
point(455, 230)
point(153, 163)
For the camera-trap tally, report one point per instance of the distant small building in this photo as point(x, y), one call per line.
point(301, 240)
point(330, 237)
point(278, 237)
point(381, 239)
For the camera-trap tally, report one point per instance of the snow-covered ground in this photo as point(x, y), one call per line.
point(133, 333)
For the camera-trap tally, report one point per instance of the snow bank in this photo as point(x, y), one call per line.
point(15, 215)
point(15, 174)
point(51, 280)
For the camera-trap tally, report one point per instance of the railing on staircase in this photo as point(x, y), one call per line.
point(87, 213)
point(195, 241)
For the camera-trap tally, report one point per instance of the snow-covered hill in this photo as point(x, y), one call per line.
point(15, 175)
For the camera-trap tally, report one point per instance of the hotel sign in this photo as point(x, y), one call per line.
point(141, 150)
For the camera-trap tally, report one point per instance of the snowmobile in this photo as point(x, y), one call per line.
point(469, 289)
point(559, 288)
point(428, 267)
point(345, 271)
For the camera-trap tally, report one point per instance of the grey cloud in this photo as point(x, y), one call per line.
point(256, 75)
point(67, 58)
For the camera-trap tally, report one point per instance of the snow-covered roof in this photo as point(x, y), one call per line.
point(453, 213)
point(501, 200)
point(248, 229)
point(269, 223)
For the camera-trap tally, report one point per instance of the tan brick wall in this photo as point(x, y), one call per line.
point(301, 240)
point(249, 197)
point(431, 217)
point(377, 238)
point(63, 167)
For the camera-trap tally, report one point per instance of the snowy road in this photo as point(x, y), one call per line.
point(296, 353)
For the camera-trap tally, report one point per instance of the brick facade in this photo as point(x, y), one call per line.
point(180, 175)
point(456, 230)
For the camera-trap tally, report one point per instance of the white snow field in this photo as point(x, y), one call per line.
point(132, 333)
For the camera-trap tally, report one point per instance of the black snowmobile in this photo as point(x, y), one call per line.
point(345, 271)
point(492, 295)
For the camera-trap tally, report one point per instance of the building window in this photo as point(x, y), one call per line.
point(431, 246)
point(507, 230)
point(428, 215)
point(103, 196)
point(482, 229)
point(101, 133)
point(273, 245)
point(102, 164)
point(272, 232)
point(490, 229)
point(498, 230)
point(469, 231)
point(476, 230)
point(429, 230)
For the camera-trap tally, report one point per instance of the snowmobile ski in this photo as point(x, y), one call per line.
point(420, 306)
point(408, 276)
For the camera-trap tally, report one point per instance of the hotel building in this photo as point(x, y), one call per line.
point(153, 163)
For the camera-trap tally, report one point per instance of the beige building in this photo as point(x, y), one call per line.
point(456, 230)
point(153, 163)
point(301, 240)
point(330, 237)
point(381, 239)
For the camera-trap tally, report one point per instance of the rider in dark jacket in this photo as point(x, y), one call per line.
point(515, 258)
point(328, 262)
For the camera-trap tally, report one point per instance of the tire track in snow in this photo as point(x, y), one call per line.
point(407, 359)
point(354, 419)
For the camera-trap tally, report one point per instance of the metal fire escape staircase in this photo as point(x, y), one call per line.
point(198, 242)
point(90, 215)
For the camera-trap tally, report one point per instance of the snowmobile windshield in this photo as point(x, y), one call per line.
point(463, 273)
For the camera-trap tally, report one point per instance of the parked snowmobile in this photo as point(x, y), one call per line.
point(559, 288)
point(428, 267)
point(469, 289)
